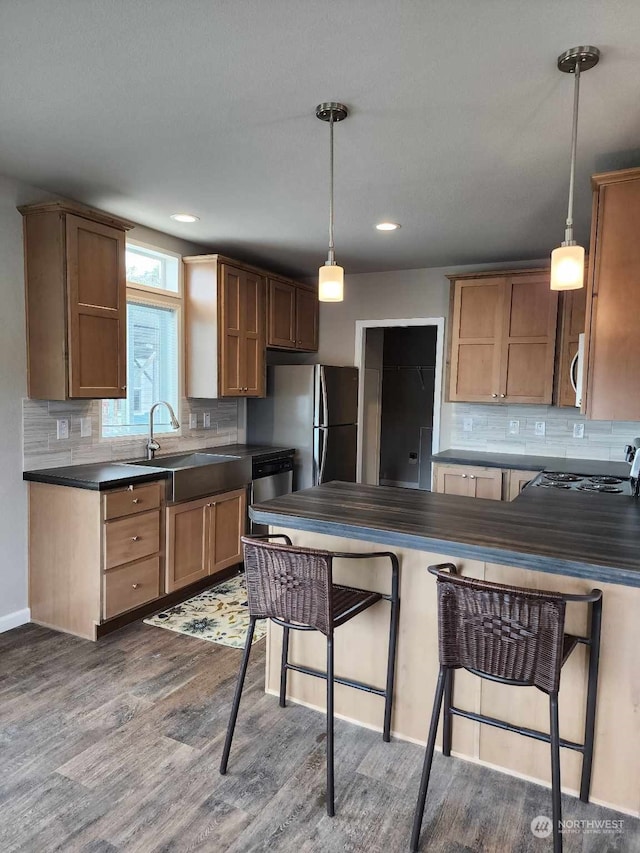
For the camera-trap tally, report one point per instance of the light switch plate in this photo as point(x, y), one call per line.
point(206, 420)
point(578, 430)
point(193, 420)
point(62, 428)
point(540, 428)
point(514, 427)
point(85, 427)
point(467, 425)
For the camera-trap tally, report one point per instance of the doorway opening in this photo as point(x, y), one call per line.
point(400, 381)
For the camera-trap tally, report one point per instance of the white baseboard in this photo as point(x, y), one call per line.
point(14, 620)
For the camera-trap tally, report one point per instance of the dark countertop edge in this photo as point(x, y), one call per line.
point(140, 474)
point(447, 547)
point(94, 485)
point(523, 462)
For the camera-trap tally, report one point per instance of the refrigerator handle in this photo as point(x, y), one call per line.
point(324, 441)
point(324, 409)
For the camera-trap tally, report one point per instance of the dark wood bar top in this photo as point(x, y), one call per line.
point(580, 535)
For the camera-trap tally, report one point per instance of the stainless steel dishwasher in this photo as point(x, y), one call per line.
point(271, 477)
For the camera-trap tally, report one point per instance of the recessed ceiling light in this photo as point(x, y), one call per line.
point(184, 217)
point(387, 226)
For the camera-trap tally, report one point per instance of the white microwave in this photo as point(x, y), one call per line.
point(576, 372)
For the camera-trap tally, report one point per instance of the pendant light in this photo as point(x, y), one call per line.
point(330, 275)
point(567, 261)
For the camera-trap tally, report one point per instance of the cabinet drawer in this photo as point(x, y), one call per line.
point(131, 538)
point(130, 501)
point(130, 586)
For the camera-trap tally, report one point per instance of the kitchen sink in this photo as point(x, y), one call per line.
point(196, 475)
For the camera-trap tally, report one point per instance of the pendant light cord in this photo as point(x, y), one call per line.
point(568, 235)
point(332, 255)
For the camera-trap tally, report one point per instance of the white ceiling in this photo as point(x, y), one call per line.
point(459, 125)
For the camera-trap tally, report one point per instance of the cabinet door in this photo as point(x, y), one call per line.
point(281, 319)
point(529, 339)
point(232, 289)
point(517, 480)
point(485, 483)
point(452, 480)
point(97, 309)
point(253, 336)
point(187, 543)
point(307, 316)
point(572, 316)
point(476, 338)
point(227, 522)
point(613, 378)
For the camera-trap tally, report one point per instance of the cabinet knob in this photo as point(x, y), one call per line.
point(494, 395)
point(464, 476)
point(135, 586)
point(135, 538)
point(123, 388)
point(503, 395)
point(472, 476)
point(130, 488)
point(135, 501)
point(209, 504)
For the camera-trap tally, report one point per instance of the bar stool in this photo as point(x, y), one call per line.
point(512, 636)
point(294, 588)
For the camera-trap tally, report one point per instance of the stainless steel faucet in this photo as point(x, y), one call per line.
point(152, 444)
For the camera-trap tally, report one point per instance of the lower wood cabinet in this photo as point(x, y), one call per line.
point(203, 537)
point(476, 482)
point(129, 586)
point(468, 481)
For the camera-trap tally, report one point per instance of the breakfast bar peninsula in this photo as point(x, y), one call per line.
point(571, 544)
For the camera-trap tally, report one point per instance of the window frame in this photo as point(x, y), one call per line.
point(143, 294)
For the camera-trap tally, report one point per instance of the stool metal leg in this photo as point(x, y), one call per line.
point(447, 716)
point(393, 642)
point(283, 667)
point(428, 760)
point(236, 699)
point(590, 721)
point(555, 773)
point(330, 795)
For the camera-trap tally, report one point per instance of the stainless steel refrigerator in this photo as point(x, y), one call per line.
point(313, 408)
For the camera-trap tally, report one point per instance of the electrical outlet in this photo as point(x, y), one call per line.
point(514, 427)
point(85, 427)
point(540, 428)
point(62, 428)
point(206, 420)
point(467, 425)
point(578, 430)
point(193, 420)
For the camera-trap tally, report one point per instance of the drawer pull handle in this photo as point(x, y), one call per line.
point(135, 538)
point(135, 586)
point(136, 501)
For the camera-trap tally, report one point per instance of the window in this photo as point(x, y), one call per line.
point(153, 348)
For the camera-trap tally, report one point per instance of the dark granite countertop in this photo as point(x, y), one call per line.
point(109, 475)
point(532, 463)
point(581, 535)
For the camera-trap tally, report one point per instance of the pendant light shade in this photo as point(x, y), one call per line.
point(330, 275)
point(567, 261)
point(330, 283)
point(567, 268)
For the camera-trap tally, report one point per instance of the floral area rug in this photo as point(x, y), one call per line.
point(219, 614)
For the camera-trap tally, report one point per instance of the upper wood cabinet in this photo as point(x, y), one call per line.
point(75, 302)
point(572, 318)
point(503, 333)
point(612, 390)
point(225, 328)
point(292, 316)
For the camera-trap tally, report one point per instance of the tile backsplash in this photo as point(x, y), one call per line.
point(490, 431)
point(42, 448)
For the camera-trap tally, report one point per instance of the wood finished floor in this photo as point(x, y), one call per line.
point(115, 747)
